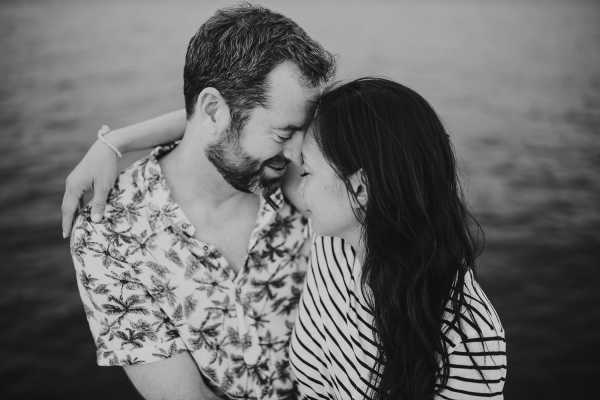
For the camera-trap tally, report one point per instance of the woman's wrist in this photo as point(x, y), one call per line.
point(118, 139)
point(148, 134)
point(102, 132)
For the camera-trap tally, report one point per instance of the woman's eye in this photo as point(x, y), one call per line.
point(281, 139)
point(304, 174)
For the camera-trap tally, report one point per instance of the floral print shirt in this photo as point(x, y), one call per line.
point(150, 289)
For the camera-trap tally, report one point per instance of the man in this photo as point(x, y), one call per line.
point(194, 272)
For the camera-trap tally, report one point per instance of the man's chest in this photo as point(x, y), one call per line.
point(229, 234)
point(254, 261)
point(230, 240)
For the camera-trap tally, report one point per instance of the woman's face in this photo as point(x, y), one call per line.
point(325, 196)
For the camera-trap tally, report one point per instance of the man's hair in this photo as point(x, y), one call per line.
point(234, 51)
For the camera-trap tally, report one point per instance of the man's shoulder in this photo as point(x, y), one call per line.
point(130, 181)
point(125, 199)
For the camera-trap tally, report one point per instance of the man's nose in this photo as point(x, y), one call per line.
point(293, 147)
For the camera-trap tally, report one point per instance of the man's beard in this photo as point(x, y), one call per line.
point(240, 170)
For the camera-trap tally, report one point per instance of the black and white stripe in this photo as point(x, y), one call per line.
point(333, 352)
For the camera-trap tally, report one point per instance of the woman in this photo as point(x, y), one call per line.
point(391, 308)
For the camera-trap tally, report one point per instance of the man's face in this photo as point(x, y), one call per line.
point(257, 157)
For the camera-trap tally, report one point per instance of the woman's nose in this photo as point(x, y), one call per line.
point(293, 148)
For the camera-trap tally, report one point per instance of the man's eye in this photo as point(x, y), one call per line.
point(304, 174)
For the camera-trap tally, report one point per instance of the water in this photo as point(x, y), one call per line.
point(517, 84)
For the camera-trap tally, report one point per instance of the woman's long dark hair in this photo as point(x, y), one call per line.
point(417, 232)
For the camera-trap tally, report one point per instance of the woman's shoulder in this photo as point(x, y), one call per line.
point(335, 266)
point(335, 254)
point(476, 347)
point(476, 319)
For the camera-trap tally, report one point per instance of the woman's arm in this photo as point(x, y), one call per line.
point(477, 368)
point(149, 133)
point(97, 171)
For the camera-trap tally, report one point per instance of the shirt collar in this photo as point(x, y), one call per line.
point(164, 212)
point(275, 199)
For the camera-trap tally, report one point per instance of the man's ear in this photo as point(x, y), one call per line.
point(213, 109)
point(358, 182)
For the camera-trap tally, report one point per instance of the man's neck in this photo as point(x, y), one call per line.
point(194, 178)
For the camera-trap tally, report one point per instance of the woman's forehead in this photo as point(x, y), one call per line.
point(310, 149)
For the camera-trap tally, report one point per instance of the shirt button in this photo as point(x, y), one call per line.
point(252, 354)
point(205, 248)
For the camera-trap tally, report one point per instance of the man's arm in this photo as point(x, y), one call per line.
point(128, 326)
point(98, 170)
point(176, 378)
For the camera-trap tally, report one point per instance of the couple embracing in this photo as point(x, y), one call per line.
point(288, 239)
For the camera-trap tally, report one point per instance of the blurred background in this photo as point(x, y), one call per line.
point(517, 84)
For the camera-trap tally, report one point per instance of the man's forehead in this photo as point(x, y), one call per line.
point(294, 110)
point(286, 81)
point(293, 94)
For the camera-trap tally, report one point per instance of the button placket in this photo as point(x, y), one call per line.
point(252, 353)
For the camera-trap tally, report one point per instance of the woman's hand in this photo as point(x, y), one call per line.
point(96, 172)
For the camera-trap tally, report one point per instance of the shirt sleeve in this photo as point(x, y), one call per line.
point(477, 369)
point(127, 325)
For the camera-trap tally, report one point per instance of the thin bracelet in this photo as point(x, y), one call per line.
point(101, 133)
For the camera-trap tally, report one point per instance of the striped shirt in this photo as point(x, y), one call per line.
point(333, 351)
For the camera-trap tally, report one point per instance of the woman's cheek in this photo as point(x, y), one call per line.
point(310, 197)
point(323, 207)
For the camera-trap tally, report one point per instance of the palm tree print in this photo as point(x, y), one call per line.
point(209, 285)
point(141, 243)
point(151, 290)
point(168, 353)
point(129, 337)
point(271, 344)
point(282, 225)
point(122, 308)
point(221, 308)
point(267, 286)
point(219, 351)
point(258, 321)
point(163, 291)
point(204, 334)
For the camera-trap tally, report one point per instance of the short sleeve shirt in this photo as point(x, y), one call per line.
point(150, 289)
point(334, 351)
